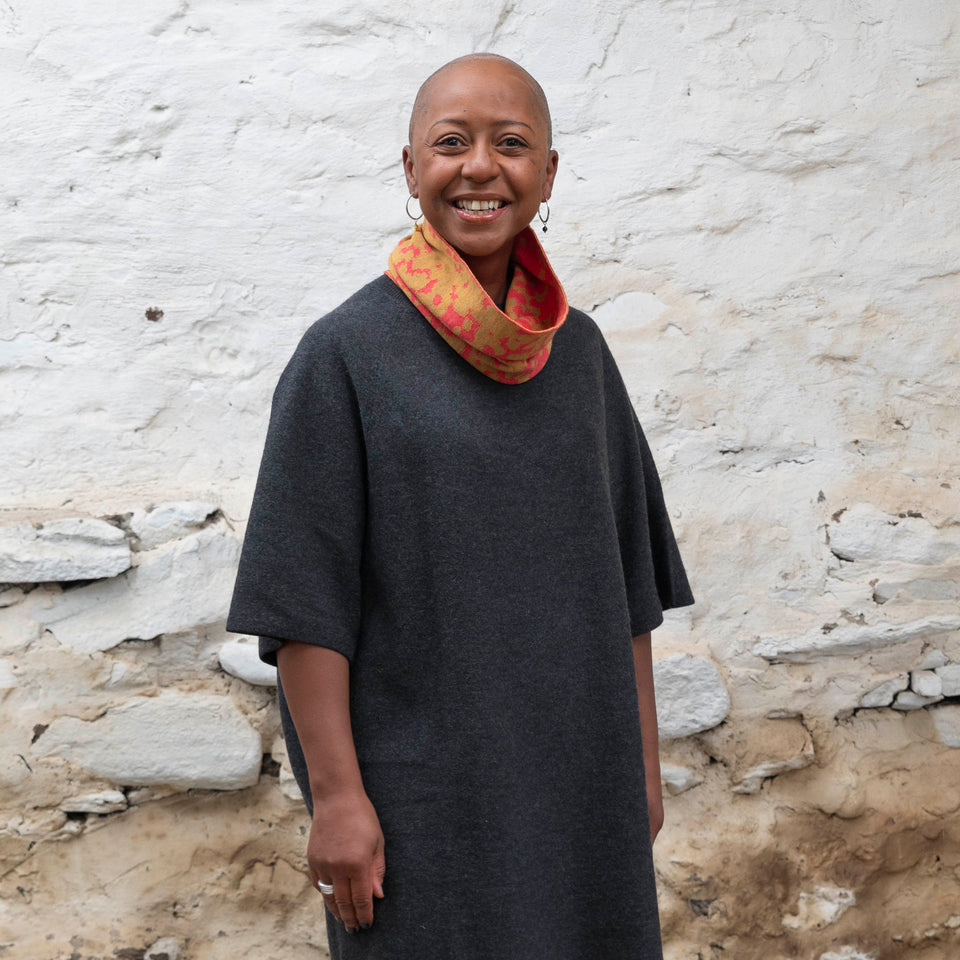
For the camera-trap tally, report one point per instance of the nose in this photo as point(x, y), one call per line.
point(480, 163)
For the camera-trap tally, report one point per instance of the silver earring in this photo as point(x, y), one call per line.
point(543, 219)
point(407, 208)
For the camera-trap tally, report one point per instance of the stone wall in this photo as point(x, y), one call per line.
point(757, 201)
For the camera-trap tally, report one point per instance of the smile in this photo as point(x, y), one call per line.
point(480, 206)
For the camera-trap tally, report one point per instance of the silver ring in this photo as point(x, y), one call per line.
point(326, 888)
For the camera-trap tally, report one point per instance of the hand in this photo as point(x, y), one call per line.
point(654, 803)
point(346, 849)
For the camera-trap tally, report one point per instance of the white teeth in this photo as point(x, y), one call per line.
point(479, 205)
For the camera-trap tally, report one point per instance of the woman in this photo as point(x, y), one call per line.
point(456, 557)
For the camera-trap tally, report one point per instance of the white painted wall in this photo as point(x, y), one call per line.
point(758, 201)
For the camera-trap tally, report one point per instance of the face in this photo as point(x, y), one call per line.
point(480, 161)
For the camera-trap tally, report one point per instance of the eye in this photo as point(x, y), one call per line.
point(513, 142)
point(450, 140)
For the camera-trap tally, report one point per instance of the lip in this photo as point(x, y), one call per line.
point(478, 216)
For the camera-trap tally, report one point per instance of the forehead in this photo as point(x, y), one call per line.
point(481, 89)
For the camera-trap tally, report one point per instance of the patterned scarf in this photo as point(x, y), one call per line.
point(509, 345)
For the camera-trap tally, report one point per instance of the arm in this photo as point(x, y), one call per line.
point(643, 670)
point(346, 842)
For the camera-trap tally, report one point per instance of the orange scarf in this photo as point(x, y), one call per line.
point(509, 345)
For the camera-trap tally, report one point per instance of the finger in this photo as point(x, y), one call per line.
point(362, 902)
point(379, 870)
point(343, 898)
point(327, 897)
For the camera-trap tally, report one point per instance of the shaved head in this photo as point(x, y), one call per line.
point(423, 94)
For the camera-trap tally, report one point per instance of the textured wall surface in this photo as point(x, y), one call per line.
point(757, 200)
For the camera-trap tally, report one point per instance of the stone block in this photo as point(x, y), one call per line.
point(865, 533)
point(767, 749)
point(920, 589)
point(926, 683)
point(289, 786)
point(847, 953)
point(932, 659)
point(949, 675)
point(168, 521)
point(10, 595)
point(946, 721)
point(820, 908)
point(884, 694)
point(80, 548)
point(166, 948)
point(107, 801)
point(176, 739)
point(678, 780)
point(691, 696)
point(240, 658)
point(183, 584)
point(851, 640)
point(909, 700)
point(287, 781)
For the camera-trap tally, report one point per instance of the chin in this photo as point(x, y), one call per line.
point(480, 246)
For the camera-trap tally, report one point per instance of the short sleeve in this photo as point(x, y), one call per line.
point(300, 568)
point(653, 571)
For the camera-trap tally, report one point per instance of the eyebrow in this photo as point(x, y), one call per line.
point(499, 123)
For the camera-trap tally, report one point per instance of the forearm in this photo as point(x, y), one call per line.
point(643, 670)
point(316, 684)
point(647, 703)
point(346, 847)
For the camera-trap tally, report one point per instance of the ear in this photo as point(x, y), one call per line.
point(409, 173)
point(550, 174)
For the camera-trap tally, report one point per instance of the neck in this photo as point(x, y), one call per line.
point(510, 344)
point(492, 272)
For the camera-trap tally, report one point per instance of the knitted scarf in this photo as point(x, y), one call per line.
point(509, 345)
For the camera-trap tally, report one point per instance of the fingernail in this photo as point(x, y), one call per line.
point(364, 926)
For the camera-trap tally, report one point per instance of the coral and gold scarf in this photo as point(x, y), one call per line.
point(509, 345)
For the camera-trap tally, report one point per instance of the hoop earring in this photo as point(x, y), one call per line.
point(543, 219)
point(407, 208)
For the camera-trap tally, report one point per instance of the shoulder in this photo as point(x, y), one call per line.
point(581, 333)
point(338, 345)
point(582, 325)
point(581, 337)
point(365, 318)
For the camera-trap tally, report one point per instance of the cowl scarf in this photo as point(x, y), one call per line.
point(509, 345)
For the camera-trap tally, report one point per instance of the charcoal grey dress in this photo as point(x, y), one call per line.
point(483, 554)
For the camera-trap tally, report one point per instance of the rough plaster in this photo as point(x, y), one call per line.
point(758, 201)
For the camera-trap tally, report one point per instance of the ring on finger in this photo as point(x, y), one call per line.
point(326, 888)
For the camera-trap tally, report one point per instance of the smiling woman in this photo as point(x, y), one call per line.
point(456, 557)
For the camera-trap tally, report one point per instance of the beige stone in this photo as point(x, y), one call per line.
point(679, 779)
point(762, 750)
point(80, 548)
point(169, 521)
point(175, 739)
point(820, 908)
point(106, 801)
point(240, 658)
point(183, 584)
point(883, 694)
point(950, 679)
point(691, 695)
point(865, 533)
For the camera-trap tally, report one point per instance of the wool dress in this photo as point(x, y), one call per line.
point(482, 553)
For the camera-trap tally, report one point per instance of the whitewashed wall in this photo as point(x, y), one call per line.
point(758, 201)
